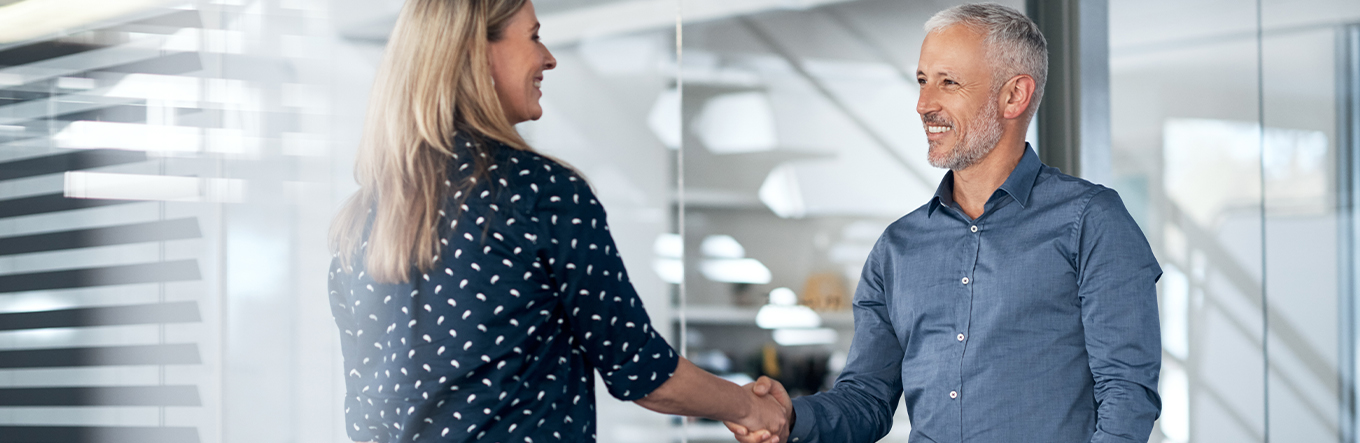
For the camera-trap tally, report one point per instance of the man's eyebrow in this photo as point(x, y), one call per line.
point(939, 73)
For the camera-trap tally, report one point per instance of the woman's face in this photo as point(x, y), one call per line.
point(518, 60)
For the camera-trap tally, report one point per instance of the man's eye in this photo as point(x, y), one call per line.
point(950, 82)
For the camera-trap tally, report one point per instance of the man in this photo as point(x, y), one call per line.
point(1018, 304)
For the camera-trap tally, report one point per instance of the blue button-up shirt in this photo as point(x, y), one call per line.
point(1036, 322)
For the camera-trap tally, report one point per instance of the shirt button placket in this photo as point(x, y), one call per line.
point(966, 281)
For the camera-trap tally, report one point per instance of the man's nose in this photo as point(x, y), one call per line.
point(925, 102)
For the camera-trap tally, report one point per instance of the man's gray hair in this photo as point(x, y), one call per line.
point(1013, 42)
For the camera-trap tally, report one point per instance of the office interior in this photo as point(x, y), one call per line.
point(168, 171)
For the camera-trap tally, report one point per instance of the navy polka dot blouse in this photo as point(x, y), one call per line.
point(500, 341)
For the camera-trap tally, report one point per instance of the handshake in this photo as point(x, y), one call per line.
point(769, 416)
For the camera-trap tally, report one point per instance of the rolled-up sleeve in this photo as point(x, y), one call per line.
point(1117, 288)
point(606, 318)
point(860, 406)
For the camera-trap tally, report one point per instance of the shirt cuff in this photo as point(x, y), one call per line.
point(650, 367)
point(804, 422)
point(1103, 437)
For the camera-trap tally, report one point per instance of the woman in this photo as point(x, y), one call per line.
point(475, 284)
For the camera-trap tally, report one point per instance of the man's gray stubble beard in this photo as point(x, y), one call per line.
point(975, 144)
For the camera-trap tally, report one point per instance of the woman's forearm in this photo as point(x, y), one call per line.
point(697, 393)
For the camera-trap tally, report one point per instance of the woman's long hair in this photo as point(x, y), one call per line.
point(434, 81)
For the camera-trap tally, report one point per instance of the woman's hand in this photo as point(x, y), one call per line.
point(762, 406)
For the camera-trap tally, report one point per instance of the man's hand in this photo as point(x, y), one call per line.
point(770, 414)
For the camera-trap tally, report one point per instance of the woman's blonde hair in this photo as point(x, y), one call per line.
point(434, 82)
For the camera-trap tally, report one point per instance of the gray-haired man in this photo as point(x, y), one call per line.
point(1019, 303)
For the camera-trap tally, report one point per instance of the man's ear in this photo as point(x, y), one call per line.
point(1016, 95)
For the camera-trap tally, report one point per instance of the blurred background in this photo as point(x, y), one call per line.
point(168, 170)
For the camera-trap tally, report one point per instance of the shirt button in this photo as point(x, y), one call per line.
point(974, 228)
point(960, 337)
point(953, 394)
point(965, 280)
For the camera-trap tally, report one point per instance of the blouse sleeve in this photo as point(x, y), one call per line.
point(355, 425)
point(606, 318)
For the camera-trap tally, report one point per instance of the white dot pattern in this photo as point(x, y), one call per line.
point(497, 343)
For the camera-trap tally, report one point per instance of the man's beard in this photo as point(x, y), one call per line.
point(973, 145)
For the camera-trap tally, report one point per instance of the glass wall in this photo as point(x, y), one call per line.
point(168, 171)
point(1226, 118)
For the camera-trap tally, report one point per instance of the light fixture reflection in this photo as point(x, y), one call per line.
point(782, 194)
point(102, 185)
point(671, 270)
point(803, 337)
point(722, 246)
point(736, 270)
point(784, 312)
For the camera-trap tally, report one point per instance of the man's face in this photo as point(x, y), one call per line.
point(958, 104)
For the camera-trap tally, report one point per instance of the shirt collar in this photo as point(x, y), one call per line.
point(1018, 185)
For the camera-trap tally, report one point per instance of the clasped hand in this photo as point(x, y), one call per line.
point(767, 420)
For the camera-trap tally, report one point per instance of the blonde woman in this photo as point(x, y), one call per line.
point(476, 285)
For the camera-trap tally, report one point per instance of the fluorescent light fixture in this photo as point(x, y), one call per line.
point(737, 123)
point(158, 138)
point(802, 337)
point(671, 270)
point(29, 19)
point(783, 297)
point(156, 87)
point(669, 246)
point(129, 136)
point(722, 246)
point(735, 270)
point(81, 83)
point(664, 119)
point(101, 185)
point(781, 193)
point(785, 317)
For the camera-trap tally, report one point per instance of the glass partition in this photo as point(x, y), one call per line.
point(1310, 330)
point(1225, 125)
point(168, 171)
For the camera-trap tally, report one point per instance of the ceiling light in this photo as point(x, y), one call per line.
point(722, 246)
point(31, 19)
point(802, 337)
